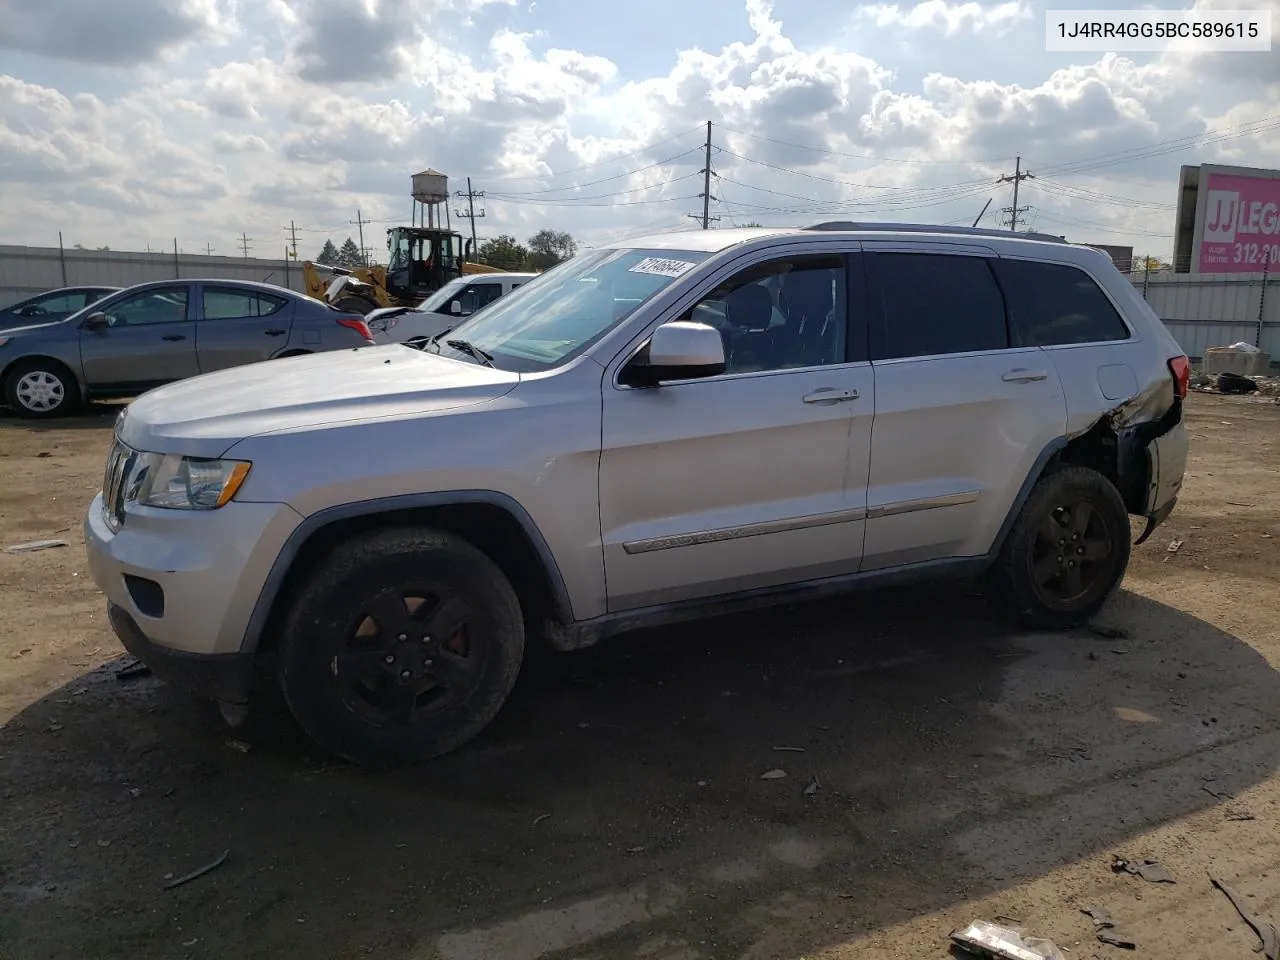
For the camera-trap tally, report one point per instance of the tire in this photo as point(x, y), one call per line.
point(41, 389)
point(335, 663)
point(1030, 581)
point(356, 304)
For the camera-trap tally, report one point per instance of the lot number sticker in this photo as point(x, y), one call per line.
point(662, 266)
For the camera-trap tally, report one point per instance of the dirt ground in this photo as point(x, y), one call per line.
point(616, 808)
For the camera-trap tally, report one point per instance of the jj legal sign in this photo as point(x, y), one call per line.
point(1238, 223)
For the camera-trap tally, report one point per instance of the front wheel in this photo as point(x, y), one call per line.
point(401, 646)
point(1067, 551)
point(38, 389)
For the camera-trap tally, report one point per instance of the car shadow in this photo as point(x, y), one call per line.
point(625, 795)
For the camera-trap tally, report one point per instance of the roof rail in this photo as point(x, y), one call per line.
point(849, 225)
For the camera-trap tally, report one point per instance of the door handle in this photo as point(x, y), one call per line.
point(1021, 375)
point(275, 333)
point(830, 395)
point(175, 336)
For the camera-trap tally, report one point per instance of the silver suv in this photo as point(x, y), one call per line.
point(655, 430)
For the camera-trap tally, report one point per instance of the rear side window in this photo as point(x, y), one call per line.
point(221, 303)
point(938, 304)
point(1053, 304)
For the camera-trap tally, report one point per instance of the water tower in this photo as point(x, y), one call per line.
point(430, 191)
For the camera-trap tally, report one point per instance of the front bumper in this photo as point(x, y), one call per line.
point(187, 581)
point(226, 677)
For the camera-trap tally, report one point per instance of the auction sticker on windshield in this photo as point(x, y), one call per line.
point(662, 266)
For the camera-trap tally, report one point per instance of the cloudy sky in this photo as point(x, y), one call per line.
point(131, 122)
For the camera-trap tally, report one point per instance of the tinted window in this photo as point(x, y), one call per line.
point(1053, 303)
point(779, 315)
point(167, 305)
point(938, 304)
point(226, 304)
point(478, 295)
point(62, 303)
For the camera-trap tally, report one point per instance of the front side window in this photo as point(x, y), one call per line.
point(569, 307)
point(779, 315)
point(938, 304)
point(1055, 304)
point(165, 305)
point(438, 302)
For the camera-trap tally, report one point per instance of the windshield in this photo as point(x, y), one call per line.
point(442, 296)
point(553, 318)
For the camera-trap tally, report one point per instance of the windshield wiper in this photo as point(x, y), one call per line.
point(471, 348)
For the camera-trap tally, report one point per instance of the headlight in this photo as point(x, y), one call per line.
point(183, 483)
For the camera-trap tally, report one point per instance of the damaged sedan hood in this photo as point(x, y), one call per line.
point(205, 415)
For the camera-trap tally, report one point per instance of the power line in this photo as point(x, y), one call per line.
point(244, 244)
point(570, 201)
point(619, 176)
point(848, 183)
point(293, 233)
point(853, 156)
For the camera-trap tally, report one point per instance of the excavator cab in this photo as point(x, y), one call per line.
point(422, 260)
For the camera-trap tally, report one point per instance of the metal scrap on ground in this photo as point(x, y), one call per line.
point(1105, 929)
point(1004, 943)
point(200, 872)
point(1147, 869)
point(1264, 927)
point(35, 545)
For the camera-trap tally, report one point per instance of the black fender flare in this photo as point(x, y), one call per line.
point(317, 521)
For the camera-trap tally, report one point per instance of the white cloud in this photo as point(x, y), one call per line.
point(950, 18)
point(322, 109)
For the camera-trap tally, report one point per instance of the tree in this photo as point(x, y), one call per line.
point(328, 254)
point(503, 251)
point(549, 247)
point(349, 256)
point(1143, 264)
point(752, 225)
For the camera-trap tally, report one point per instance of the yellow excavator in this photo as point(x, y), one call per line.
point(422, 260)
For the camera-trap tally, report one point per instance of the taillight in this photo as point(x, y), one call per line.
point(359, 326)
point(1180, 367)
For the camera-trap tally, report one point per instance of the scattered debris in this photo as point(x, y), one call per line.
point(35, 545)
point(1175, 545)
point(1149, 870)
point(1004, 943)
point(635, 850)
point(1105, 929)
point(539, 818)
point(134, 668)
point(55, 727)
point(1108, 633)
point(135, 792)
point(812, 788)
point(239, 745)
point(773, 775)
point(200, 872)
point(1262, 926)
point(1237, 503)
point(789, 749)
point(1217, 794)
point(1240, 815)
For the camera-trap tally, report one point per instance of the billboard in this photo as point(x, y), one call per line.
point(1236, 227)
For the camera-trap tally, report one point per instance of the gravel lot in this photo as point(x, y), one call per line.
point(616, 808)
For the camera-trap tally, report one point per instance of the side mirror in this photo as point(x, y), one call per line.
point(681, 350)
point(455, 308)
point(95, 321)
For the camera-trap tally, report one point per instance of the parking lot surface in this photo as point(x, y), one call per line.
point(940, 767)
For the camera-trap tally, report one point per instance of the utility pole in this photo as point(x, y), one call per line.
point(1015, 211)
point(470, 213)
point(244, 244)
point(208, 249)
point(706, 183)
point(359, 221)
point(293, 236)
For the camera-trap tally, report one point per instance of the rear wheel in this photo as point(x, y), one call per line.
point(40, 389)
point(1067, 552)
point(400, 647)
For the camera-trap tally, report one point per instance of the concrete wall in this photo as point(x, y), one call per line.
point(25, 271)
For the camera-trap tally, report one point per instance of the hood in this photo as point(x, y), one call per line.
point(28, 327)
point(205, 415)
